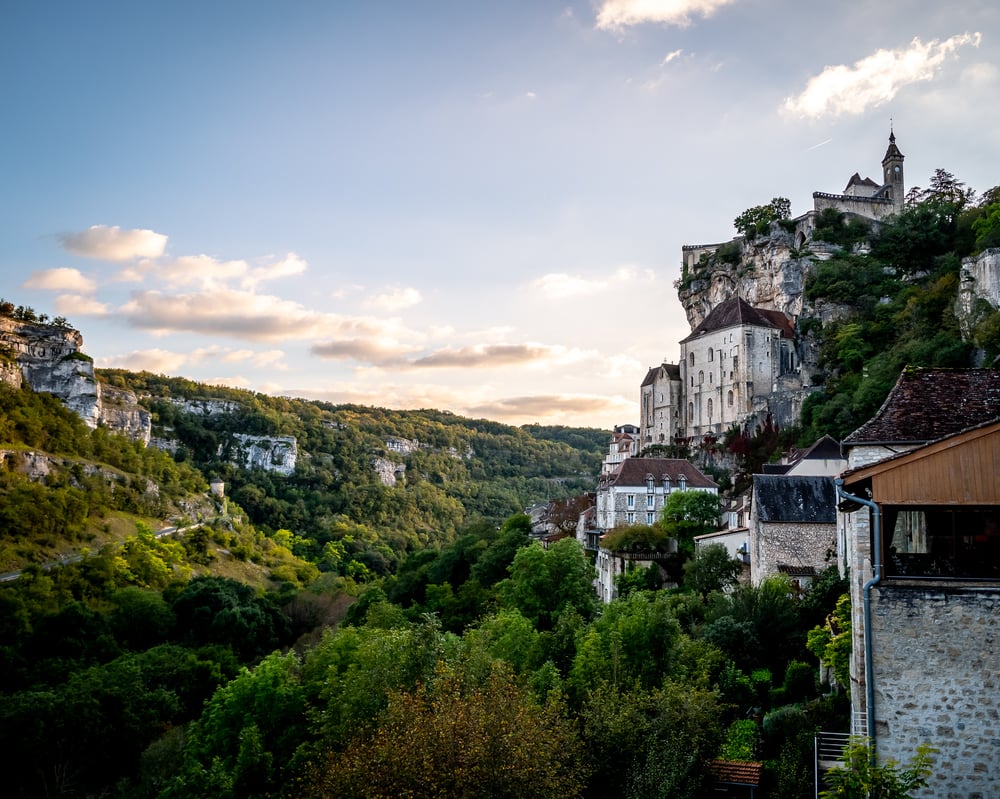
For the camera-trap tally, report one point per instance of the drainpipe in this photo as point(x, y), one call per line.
point(867, 602)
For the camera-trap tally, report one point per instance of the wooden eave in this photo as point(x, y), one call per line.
point(963, 469)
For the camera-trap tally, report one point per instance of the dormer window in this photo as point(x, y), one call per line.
point(649, 483)
point(666, 484)
point(682, 482)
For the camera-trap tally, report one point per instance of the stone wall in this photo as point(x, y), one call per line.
point(871, 207)
point(979, 279)
point(789, 543)
point(936, 660)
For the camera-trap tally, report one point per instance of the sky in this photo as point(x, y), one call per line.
point(470, 206)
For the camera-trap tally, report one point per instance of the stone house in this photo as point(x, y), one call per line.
point(922, 501)
point(660, 403)
point(624, 444)
point(793, 527)
point(869, 198)
point(634, 493)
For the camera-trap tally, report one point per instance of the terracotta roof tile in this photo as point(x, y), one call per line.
point(927, 404)
point(736, 772)
point(633, 471)
point(737, 311)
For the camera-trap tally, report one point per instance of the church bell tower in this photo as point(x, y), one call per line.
point(892, 172)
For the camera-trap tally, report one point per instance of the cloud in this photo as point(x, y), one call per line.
point(673, 54)
point(254, 317)
point(394, 299)
point(289, 266)
point(61, 279)
point(488, 356)
point(203, 271)
point(157, 361)
point(518, 410)
point(78, 305)
point(372, 351)
point(114, 244)
point(874, 80)
point(617, 14)
point(559, 285)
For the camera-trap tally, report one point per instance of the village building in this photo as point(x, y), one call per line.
point(922, 503)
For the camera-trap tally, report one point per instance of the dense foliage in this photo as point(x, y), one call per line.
point(897, 300)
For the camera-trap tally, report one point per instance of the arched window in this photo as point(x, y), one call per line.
point(711, 354)
point(691, 359)
point(729, 399)
point(710, 411)
point(701, 378)
point(690, 411)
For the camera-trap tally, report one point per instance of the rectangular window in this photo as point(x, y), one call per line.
point(650, 518)
point(649, 502)
point(630, 518)
point(630, 500)
point(942, 542)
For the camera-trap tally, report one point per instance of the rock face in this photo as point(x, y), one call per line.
point(979, 283)
point(389, 472)
point(49, 359)
point(271, 453)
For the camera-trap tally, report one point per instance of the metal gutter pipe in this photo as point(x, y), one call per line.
point(867, 602)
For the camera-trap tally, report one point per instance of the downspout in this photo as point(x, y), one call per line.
point(866, 592)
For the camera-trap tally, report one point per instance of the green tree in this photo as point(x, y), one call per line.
point(689, 513)
point(756, 221)
point(544, 582)
point(449, 738)
point(711, 569)
point(860, 776)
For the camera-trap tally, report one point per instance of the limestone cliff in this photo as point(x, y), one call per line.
point(49, 359)
point(979, 285)
point(271, 453)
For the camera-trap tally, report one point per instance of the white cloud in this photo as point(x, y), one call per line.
point(78, 305)
point(203, 271)
point(250, 316)
point(154, 360)
point(61, 279)
point(672, 55)
point(289, 266)
point(875, 79)
point(114, 244)
point(559, 285)
point(618, 14)
point(394, 299)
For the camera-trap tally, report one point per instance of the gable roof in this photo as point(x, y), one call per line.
point(857, 180)
point(783, 498)
point(737, 311)
point(634, 471)
point(825, 448)
point(927, 404)
point(669, 370)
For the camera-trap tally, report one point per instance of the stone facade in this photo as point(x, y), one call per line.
point(937, 680)
point(660, 405)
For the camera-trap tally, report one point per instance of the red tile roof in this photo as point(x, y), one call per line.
point(737, 311)
point(736, 772)
point(927, 404)
point(634, 471)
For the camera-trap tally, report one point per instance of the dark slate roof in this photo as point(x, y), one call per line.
point(825, 448)
point(796, 571)
point(737, 311)
point(775, 468)
point(892, 150)
point(672, 370)
point(633, 472)
point(857, 180)
point(735, 772)
point(783, 498)
point(927, 404)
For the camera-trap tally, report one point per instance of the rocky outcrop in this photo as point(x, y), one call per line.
point(49, 359)
point(277, 454)
point(979, 286)
point(389, 472)
point(205, 406)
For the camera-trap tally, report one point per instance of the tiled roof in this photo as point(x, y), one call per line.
point(797, 571)
point(670, 370)
point(633, 472)
point(783, 498)
point(927, 404)
point(737, 311)
point(857, 180)
point(737, 772)
point(825, 448)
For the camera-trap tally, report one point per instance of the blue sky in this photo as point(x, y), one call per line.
point(461, 205)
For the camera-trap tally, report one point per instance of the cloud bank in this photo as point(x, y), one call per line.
point(618, 14)
point(874, 80)
point(114, 244)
